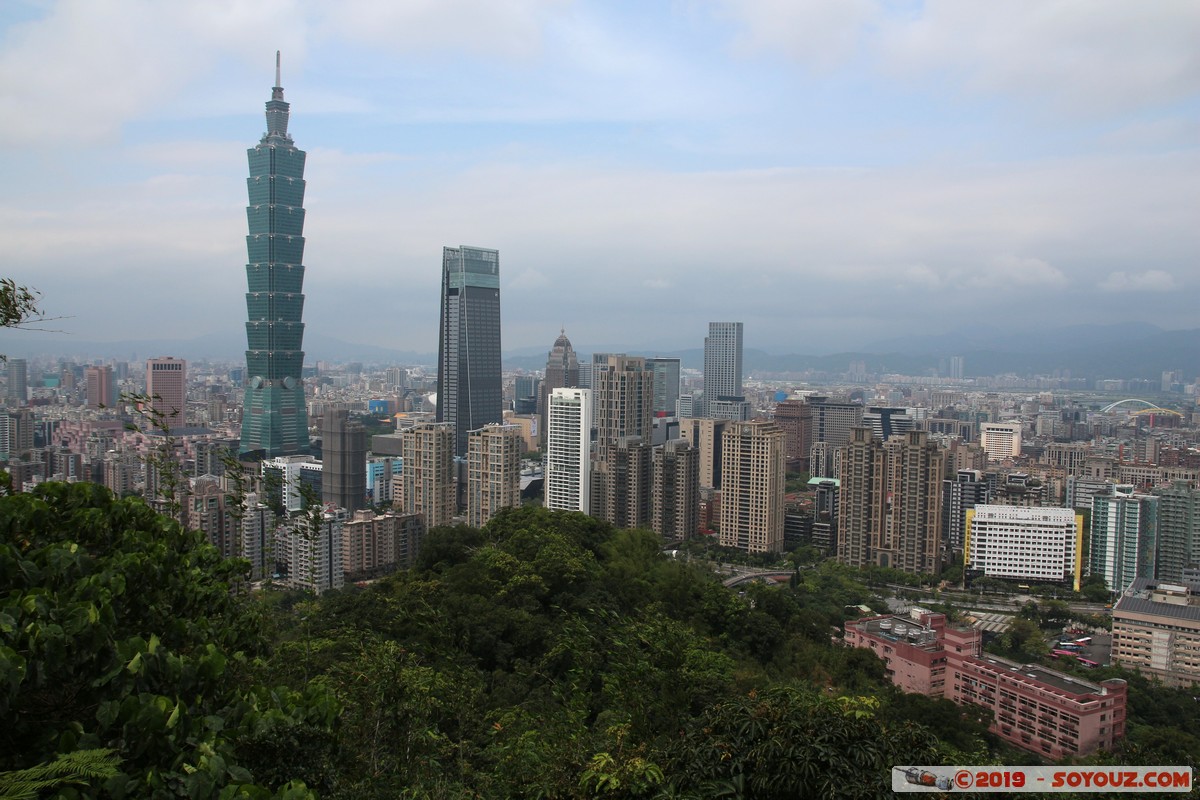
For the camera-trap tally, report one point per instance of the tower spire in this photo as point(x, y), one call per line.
point(277, 108)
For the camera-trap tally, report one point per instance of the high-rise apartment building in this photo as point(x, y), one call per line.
point(891, 502)
point(309, 552)
point(1178, 530)
point(101, 388)
point(626, 500)
point(493, 471)
point(675, 490)
point(568, 450)
point(210, 511)
point(17, 392)
point(1124, 537)
point(706, 435)
point(274, 415)
point(375, 544)
point(795, 418)
point(723, 398)
point(258, 542)
point(344, 461)
point(966, 491)
point(166, 386)
point(752, 483)
point(622, 415)
point(562, 371)
point(428, 474)
point(622, 399)
point(470, 392)
point(666, 385)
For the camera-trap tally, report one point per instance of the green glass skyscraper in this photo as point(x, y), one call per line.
point(274, 416)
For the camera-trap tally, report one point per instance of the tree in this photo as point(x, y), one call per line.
point(18, 305)
point(119, 632)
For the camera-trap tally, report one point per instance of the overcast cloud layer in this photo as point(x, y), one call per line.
point(828, 172)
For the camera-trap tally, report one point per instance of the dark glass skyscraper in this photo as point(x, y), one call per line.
point(274, 416)
point(470, 394)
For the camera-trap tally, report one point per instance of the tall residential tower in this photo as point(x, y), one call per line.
point(274, 415)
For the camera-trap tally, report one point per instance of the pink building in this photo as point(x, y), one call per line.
point(1037, 709)
point(166, 384)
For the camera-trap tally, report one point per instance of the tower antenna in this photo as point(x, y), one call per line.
point(277, 83)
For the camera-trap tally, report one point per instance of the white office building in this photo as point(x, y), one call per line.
point(1000, 440)
point(1035, 544)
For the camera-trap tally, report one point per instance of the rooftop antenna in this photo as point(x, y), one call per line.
point(277, 83)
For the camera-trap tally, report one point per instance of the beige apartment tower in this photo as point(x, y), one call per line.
point(428, 475)
point(705, 435)
point(890, 509)
point(752, 480)
point(493, 471)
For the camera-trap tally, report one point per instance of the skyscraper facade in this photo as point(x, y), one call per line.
point(1124, 537)
point(832, 421)
point(567, 463)
point(166, 386)
point(470, 393)
point(562, 371)
point(723, 398)
point(344, 461)
point(752, 484)
point(274, 415)
point(18, 381)
point(1178, 530)
point(101, 389)
point(666, 385)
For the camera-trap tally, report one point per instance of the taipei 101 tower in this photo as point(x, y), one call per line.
point(274, 416)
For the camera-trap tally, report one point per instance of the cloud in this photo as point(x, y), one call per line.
point(656, 283)
point(455, 28)
point(1152, 280)
point(1090, 57)
point(821, 34)
point(1015, 272)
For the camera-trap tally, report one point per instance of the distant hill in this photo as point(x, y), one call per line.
point(1122, 350)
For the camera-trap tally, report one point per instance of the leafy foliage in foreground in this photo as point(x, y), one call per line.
point(544, 656)
point(118, 632)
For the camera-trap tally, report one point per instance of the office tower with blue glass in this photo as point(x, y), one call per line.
point(274, 416)
point(470, 393)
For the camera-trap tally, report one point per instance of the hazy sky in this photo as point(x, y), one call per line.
point(818, 170)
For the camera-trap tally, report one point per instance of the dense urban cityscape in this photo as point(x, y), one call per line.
point(1014, 554)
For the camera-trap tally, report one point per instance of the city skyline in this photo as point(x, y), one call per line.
point(821, 172)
